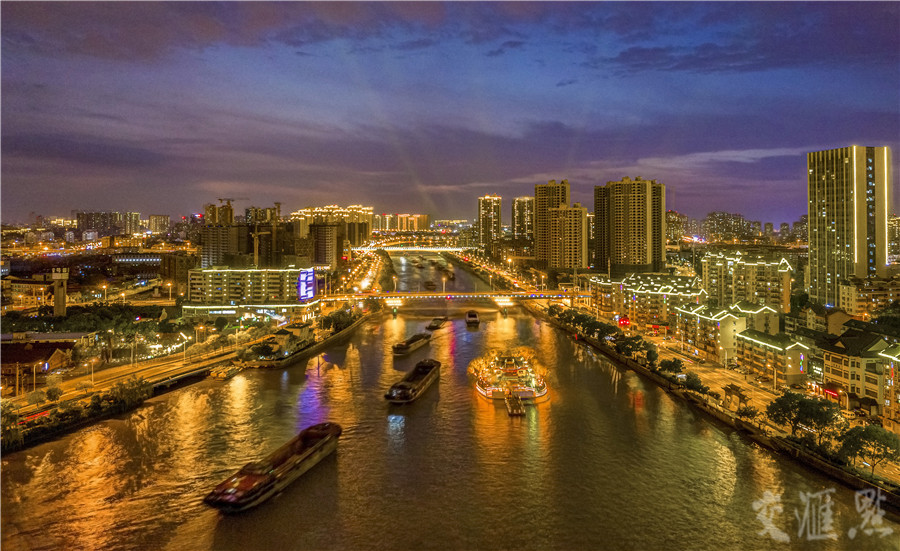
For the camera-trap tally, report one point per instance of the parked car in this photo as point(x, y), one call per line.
point(848, 415)
point(874, 421)
point(798, 386)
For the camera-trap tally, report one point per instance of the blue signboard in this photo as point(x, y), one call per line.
point(306, 285)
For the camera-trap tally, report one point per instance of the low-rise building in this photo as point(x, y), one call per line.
point(855, 371)
point(778, 357)
point(711, 333)
point(860, 297)
point(647, 300)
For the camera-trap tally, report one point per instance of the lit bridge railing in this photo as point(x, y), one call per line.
point(411, 248)
point(431, 295)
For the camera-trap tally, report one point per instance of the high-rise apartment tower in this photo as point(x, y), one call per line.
point(630, 227)
point(546, 196)
point(849, 193)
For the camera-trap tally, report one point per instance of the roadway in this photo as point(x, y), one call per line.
point(156, 371)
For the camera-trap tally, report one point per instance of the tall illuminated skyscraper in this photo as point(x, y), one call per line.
point(568, 236)
point(630, 227)
point(849, 193)
point(547, 196)
point(489, 227)
point(523, 218)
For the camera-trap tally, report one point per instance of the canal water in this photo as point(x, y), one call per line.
point(608, 462)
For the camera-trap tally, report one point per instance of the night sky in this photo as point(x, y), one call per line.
point(423, 107)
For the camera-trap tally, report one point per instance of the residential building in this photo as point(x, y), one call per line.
point(861, 297)
point(848, 191)
point(568, 237)
point(778, 357)
point(630, 234)
point(219, 243)
point(546, 196)
point(173, 269)
point(523, 218)
point(327, 244)
point(855, 372)
point(891, 412)
point(732, 277)
point(675, 226)
point(647, 300)
point(489, 221)
point(160, 223)
point(710, 333)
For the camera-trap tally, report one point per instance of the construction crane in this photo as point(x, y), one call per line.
point(230, 199)
point(256, 235)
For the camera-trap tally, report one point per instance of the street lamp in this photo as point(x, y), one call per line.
point(169, 285)
point(542, 283)
point(184, 356)
point(395, 283)
point(123, 299)
point(491, 280)
point(444, 288)
point(104, 293)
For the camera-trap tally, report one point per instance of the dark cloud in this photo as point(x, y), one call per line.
point(85, 150)
point(505, 47)
point(418, 44)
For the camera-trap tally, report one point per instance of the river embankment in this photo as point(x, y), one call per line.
point(756, 433)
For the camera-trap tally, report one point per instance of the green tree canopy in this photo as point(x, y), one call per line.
point(785, 410)
point(54, 393)
point(822, 417)
point(674, 365)
point(871, 443)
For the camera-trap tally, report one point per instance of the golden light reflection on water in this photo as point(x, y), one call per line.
point(136, 484)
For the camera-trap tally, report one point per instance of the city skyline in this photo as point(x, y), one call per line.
point(162, 107)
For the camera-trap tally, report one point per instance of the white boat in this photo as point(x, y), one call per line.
point(472, 318)
point(508, 374)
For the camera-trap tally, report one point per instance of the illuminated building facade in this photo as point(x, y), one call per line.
point(630, 227)
point(489, 222)
point(848, 192)
point(568, 237)
point(648, 300)
point(730, 278)
point(778, 357)
point(547, 196)
point(523, 218)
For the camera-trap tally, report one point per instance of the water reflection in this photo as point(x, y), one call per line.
point(609, 461)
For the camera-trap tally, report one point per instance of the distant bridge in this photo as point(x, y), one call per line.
point(431, 295)
point(410, 248)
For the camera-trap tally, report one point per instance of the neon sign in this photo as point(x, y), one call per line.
point(306, 285)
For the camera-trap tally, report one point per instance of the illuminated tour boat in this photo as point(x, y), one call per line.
point(509, 374)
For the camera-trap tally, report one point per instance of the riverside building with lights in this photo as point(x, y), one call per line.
point(233, 293)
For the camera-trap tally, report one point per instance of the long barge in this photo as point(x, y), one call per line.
point(260, 480)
